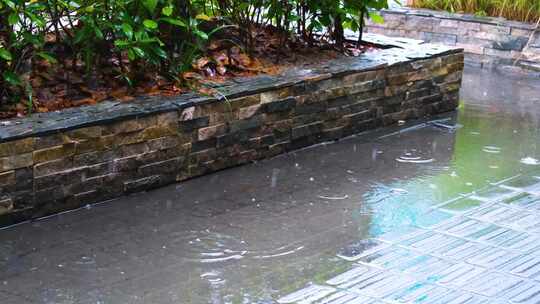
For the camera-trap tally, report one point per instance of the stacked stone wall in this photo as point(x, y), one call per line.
point(487, 41)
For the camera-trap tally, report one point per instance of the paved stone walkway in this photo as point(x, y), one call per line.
point(487, 254)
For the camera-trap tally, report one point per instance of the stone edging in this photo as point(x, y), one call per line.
point(487, 41)
point(59, 161)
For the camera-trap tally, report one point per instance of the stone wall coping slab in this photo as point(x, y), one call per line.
point(394, 51)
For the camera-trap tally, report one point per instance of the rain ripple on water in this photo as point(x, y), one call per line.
point(410, 158)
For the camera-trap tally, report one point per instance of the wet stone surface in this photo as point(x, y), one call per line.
point(440, 211)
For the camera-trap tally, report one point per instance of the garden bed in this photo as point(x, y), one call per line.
point(56, 161)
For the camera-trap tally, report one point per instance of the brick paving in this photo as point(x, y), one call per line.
point(485, 254)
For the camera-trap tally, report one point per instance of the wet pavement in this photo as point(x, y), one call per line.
point(440, 211)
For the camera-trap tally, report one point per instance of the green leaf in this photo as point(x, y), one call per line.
point(128, 30)
point(121, 43)
point(167, 10)
point(160, 52)
point(99, 33)
point(12, 78)
point(151, 24)
point(150, 5)
point(202, 17)
point(174, 21)
point(376, 18)
point(13, 18)
point(5, 54)
point(131, 55)
point(38, 20)
point(138, 51)
point(81, 35)
point(47, 57)
point(201, 34)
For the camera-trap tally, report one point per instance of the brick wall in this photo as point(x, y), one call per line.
point(486, 41)
point(61, 169)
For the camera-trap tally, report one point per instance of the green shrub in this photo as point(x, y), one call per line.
point(520, 10)
point(130, 39)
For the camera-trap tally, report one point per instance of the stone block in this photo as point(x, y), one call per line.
point(24, 179)
point(339, 102)
point(246, 124)
point(495, 29)
point(194, 124)
point(58, 179)
point(363, 77)
point(360, 116)
point(501, 53)
point(444, 38)
point(85, 133)
point(42, 142)
point(535, 42)
point(421, 23)
point(98, 170)
point(9, 163)
point(16, 147)
point(521, 32)
point(470, 26)
point(132, 149)
point(458, 31)
point(161, 167)
point(167, 119)
point(203, 144)
point(52, 153)
point(96, 144)
point(203, 156)
point(471, 48)
point(126, 164)
point(158, 131)
point(7, 178)
point(248, 112)
point(187, 114)
point(306, 130)
point(308, 118)
point(92, 158)
point(162, 143)
point(363, 87)
point(430, 99)
point(245, 101)
point(449, 23)
point(142, 184)
point(333, 133)
point(282, 105)
point(132, 125)
point(6, 205)
point(232, 138)
point(510, 44)
point(52, 166)
point(261, 141)
point(212, 131)
point(275, 95)
point(304, 109)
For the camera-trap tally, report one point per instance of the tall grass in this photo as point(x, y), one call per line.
point(520, 10)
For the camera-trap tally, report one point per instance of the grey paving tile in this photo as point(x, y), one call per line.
point(307, 295)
